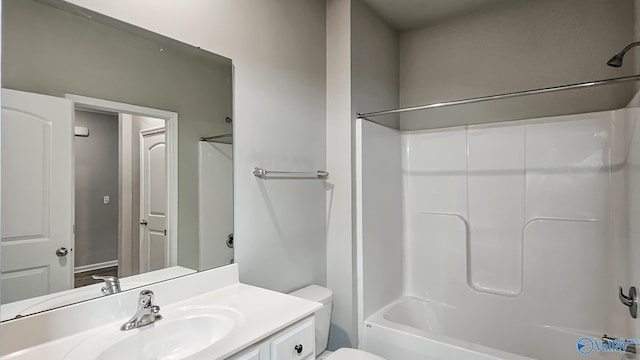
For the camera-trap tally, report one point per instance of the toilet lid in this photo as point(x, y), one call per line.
point(353, 354)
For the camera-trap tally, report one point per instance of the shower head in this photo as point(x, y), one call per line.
point(616, 60)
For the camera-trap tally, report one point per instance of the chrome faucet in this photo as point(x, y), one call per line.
point(147, 312)
point(111, 284)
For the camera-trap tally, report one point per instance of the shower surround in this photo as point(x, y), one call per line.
point(509, 239)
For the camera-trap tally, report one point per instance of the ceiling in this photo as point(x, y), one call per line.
point(414, 14)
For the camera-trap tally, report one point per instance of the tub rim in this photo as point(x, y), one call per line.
point(378, 319)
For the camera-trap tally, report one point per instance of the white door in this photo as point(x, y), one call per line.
point(154, 249)
point(37, 195)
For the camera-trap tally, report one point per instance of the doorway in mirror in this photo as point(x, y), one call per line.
point(88, 194)
point(144, 180)
point(120, 195)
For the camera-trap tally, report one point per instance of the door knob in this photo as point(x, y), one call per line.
point(143, 222)
point(230, 241)
point(62, 252)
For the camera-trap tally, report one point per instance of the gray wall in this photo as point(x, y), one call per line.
point(375, 82)
point(340, 248)
point(48, 51)
point(362, 49)
point(362, 73)
point(278, 51)
point(96, 175)
point(518, 46)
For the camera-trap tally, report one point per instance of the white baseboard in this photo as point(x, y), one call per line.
point(97, 266)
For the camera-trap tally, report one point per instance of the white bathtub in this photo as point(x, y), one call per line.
point(415, 329)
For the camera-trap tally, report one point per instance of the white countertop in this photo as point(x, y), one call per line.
point(264, 313)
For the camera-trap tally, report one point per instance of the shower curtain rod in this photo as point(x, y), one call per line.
point(503, 96)
point(209, 138)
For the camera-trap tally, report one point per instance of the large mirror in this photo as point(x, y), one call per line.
point(116, 157)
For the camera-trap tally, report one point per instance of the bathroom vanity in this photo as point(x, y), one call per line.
point(208, 315)
point(294, 342)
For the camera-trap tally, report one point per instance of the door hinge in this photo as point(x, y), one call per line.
point(165, 232)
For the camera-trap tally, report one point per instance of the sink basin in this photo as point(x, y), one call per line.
point(181, 333)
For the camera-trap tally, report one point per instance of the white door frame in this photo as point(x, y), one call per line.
point(171, 133)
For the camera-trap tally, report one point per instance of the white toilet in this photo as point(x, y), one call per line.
point(323, 321)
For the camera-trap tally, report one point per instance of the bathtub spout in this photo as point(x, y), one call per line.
point(629, 349)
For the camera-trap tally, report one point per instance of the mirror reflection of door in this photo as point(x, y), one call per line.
point(153, 200)
point(37, 202)
point(51, 242)
point(121, 195)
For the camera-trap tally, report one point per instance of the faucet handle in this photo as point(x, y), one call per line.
point(111, 284)
point(145, 300)
point(108, 278)
point(146, 305)
point(155, 309)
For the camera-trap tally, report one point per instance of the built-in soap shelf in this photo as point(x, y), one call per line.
point(472, 279)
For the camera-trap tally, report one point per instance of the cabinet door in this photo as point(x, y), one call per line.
point(295, 344)
point(251, 354)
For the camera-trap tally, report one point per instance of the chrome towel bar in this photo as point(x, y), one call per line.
point(262, 173)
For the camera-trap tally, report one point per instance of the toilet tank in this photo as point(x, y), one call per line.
point(323, 316)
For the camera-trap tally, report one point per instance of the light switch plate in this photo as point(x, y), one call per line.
point(106, 199)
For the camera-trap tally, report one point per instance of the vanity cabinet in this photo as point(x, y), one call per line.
point(251, 354)
point(296, 342)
